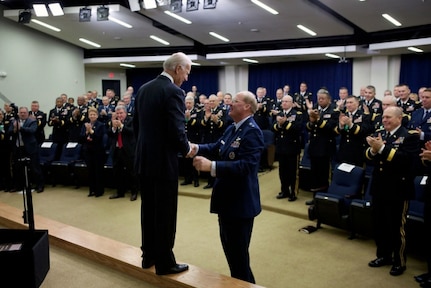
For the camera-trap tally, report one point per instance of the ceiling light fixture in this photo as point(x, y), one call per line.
point(176, 6)
point(414, 49)
point(127, 65)
point(196, 64)
point(40, 10)
point(56, 9)
point(119, 22)
point(24, 17)
point(184, 20)
point(85, 14)
point(192, 5)
point(45, 25)
point(250, 60)
point(219, 36)
point(159, 40)
point(210, 4)
point(330, 55)
point(90, 42)
point(391, 19)
point(149, 4)
point(102, 13)
point(307, 30)
point(264, 6)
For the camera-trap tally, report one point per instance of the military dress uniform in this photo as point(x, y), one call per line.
point(352, 139)
point(193, 134)
point(288, 148)
point(409, 106)
point(262, 115)
point(58, 121)
point(374, 105)
point(322, 146)
point(76, 121)
point(392, 185)
point(41, 123)
point(300, 100)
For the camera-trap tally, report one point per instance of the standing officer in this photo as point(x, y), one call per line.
point(393, 151)
point(41, 121)
point(287, 128)
point(235, 197)
point(264, 106)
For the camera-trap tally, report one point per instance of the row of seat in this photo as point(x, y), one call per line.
point(69, 168)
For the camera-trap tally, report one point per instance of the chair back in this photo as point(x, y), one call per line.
point(47, 152)
point(347, 180)
point(71, 152)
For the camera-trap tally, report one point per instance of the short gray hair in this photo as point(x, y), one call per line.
point(176, 59)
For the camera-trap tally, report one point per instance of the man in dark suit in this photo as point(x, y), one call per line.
point(421, 118)
point(392, 151)
point(24, 143)
point(287, 128)
point(156, 163)
point(123, 145)
point(235, 197)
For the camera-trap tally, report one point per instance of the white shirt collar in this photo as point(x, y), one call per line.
point(237, 125)
point(167, 75)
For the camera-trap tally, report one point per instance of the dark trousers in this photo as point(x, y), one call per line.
point(95, 162)
point(287, 168)
point(235, 236)
point(319, 169)
point(34, 172)
point(190, 173)
point(124, 173)
point(389, 218)
point(158, 220)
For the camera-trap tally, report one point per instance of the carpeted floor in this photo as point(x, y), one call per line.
point(280, 255)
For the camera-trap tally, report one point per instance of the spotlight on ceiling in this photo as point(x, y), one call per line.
point(210, 4)
point(176, 6)
point(24, 17)
point(102, 13)
point(162, 2)
point(192, 5)
point(85, 14)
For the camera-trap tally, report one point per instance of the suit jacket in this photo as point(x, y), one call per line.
point(417, 121)
point(394, 171)
point(93, 143)
point(159, 126)
point(287, 137)
point(236, 188)
point(28, 134)
point(128, 137)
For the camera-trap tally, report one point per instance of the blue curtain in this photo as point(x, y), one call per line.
point(317, 74)
point(416, 70)
point(204, 78)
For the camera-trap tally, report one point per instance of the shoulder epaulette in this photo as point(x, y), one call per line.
point(413, 132)
point(298, 112)
point(380, 129)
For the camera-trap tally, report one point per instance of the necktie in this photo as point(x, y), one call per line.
point(426, 114)
point(120, 140)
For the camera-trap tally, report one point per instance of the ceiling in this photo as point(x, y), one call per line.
point(347, 28)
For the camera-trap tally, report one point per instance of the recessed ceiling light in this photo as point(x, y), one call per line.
point(90, 42)
point(414, 49)
point(250, 60)
point(196, 64)
point(330, 55)
point(264, 6)
point(160, 40)
point(127, 65)
point(182, 19)
point(307, 30)
point(40, 10)
point(56, 9)
point(219, 36)
point(45, 25)
point(391, 19)
point(119, 22)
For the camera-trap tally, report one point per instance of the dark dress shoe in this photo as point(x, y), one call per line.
point(208, 186)
point(397, 270)
point(185, 183)
point(91, 194)
point(422, 278)
point(115, 196)
point(309, 202)
point(40, 189)
point(292, 198)
point(147, 263)
point(99, 195)
point(196, 184)
point(281, 196)
point(178, 268)
point(379, 262)
point(133, 197)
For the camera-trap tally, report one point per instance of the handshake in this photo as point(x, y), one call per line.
point(199, 162)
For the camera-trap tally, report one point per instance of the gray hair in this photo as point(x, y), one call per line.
point(176, 59)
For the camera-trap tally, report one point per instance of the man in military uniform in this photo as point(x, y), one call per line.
point(393, 151)
point(408, 105)
point(77, 119)
point(374, 105)
point(40, 117)
point(353, 126)
point(287, 128)
point(323, 118)
point(264, 106)
point(58, 118)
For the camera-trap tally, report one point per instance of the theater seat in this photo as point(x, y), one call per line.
point(304, 176)
point(47, 152)
point(268, 154)
point(332, 207)
point(360, 216)
point(415, 228)
point(62, 169)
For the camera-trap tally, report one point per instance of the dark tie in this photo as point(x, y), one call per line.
point(426, 114)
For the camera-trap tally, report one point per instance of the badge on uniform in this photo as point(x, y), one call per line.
point(429, 120)
point(358, 120)
point(235, 144)
point(400, 140)
point(232, 155)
